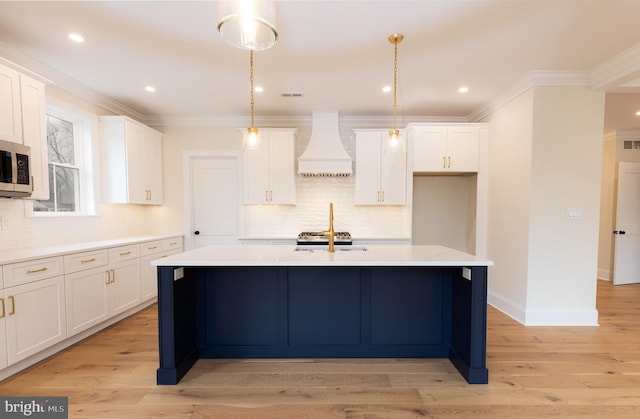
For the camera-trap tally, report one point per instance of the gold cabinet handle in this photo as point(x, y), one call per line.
point(152, 247)
point(2, 305)
point(13, 305)
point(449, 167)
point(382, 196)
point(125, 253)
point(33, 271)
point(88, 260)
point(173, 243)
point(444, 162)
point(33, 185)
point(113, 275)
point(108, 281)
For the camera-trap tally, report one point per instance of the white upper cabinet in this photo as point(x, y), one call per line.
point(445, 148)
point(381, 172)
point(132, 161)
point(269, 169)
point(34, 134)
point(10, 112)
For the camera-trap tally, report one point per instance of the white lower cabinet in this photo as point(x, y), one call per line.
point(149, 273)
point(123, 278)
point(35, 317)
point(86, 290)
point(47, 300)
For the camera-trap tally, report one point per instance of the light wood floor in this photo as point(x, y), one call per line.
point(585, 372)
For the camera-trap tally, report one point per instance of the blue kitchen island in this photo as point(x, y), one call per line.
point(279, 302)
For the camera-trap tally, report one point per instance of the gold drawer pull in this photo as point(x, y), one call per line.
point(88, 260)
point(152, 247)
point(13, 305)
point(33, 271)
point(125, 253)
point(173, 243)
point(2, 304)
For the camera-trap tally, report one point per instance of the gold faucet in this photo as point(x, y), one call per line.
point(330, 233)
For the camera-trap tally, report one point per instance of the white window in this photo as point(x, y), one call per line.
point(69, 161)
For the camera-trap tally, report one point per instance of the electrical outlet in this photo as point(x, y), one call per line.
point(574, 213)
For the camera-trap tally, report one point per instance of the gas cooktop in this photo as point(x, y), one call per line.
point(317, 237)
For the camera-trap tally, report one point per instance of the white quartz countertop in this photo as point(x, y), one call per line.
point(19, 255)
point(286, 255)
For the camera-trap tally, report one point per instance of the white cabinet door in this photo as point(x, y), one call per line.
point(34, 134)
point(381, 173)
point(35, 317)
point(429, 149)
point(124, 286)
point(281, 167)
point(269, 172)
point(123, 278)
point(3, 331)
point(463, 147)
point(132, 154)
point(149, 274)
point(86, 299)
point(442, 148)
point(153, 167)
point(10, 113)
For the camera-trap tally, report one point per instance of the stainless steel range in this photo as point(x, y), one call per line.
point(317, 237)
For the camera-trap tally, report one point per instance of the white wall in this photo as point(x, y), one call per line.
point(510, 150)
point(545, 156)
point(566, 171)
point(313, 194)
point(111, 221)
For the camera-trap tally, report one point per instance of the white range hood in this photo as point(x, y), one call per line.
point(325, 155)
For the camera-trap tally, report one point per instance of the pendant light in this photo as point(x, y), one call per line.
point(394, 134)
point(251, 140)
point(248, 24)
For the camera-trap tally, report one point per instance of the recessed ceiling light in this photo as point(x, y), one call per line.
point(463, 89)
point(638, 113)
point(386, 89)
point(76, 37)
point(150, 89)
point(258, 89)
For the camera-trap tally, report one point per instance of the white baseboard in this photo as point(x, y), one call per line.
point(543, 317)
point(605, 274)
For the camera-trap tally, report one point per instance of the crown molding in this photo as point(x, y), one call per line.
point(292, 121)
point(617, 70)
point(49, 75)
point(533, 78)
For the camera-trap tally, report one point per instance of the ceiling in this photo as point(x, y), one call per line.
point(335, 54)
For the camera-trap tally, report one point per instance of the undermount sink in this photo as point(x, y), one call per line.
point(316, 248)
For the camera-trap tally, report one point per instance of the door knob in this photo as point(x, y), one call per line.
point(623, 232)
point(197, 232)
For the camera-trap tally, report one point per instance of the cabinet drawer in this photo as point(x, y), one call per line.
point(85, 260)
point(148, 248)
point(118, 254)
point(32, 270)
point(174, 243)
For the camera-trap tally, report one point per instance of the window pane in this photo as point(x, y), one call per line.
point(64, 190)
point(67, 182)
point(61, 141)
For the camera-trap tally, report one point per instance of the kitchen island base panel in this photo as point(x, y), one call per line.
point(321, 312)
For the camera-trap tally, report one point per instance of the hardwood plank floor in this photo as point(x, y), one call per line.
point(581, 372)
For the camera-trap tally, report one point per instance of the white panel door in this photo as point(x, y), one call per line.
point(627, 230)
point(216, 187)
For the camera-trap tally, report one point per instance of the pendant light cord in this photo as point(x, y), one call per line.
point(251, 82)
point(395, 82)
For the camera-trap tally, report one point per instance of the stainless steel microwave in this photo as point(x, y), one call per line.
point(15, 170)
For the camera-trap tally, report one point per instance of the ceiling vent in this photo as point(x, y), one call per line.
point(325, 155)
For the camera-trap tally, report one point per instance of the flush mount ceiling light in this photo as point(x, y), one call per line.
point(75, 37)
point(248, 24)
point(394, 134)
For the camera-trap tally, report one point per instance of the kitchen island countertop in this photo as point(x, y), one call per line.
point(287, 255)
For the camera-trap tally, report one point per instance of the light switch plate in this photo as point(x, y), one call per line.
point(574, 213)
point(466, 273)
